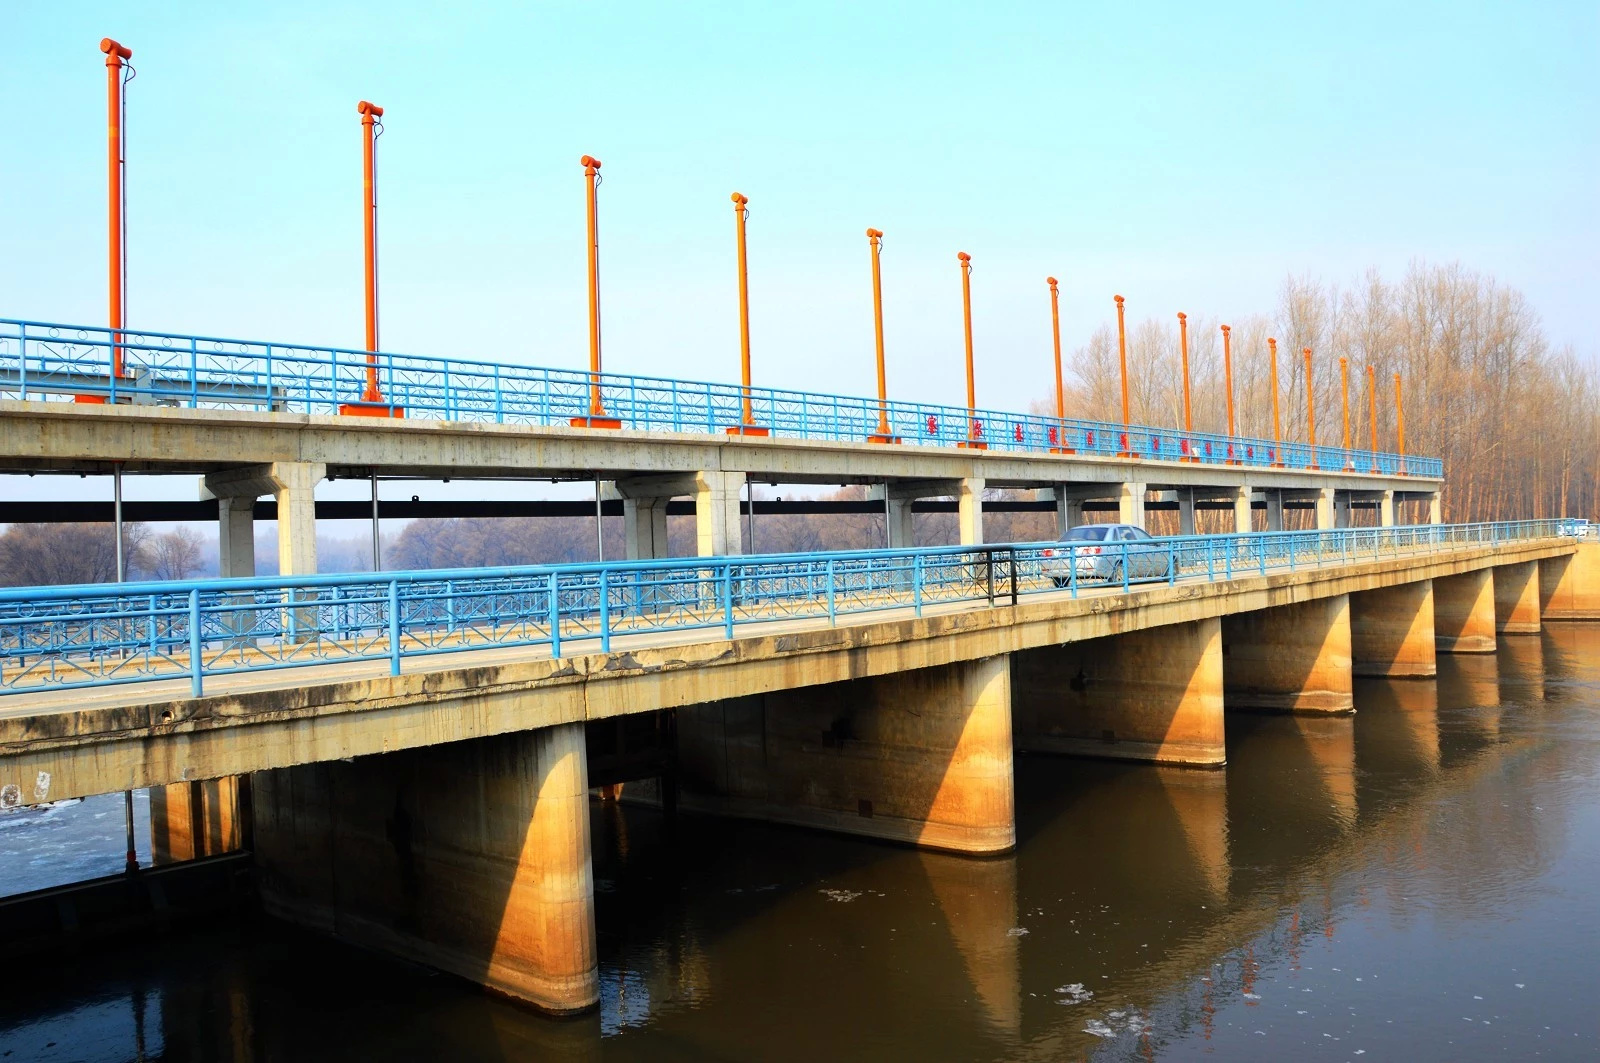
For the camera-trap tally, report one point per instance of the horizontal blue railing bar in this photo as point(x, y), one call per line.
point(98, 635)
point(41, 360)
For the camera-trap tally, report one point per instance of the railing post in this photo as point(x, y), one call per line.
point(1261, 553)
point(196, 664)
point(605, 612)
point(194, 376)
point(1011, 556)
point(394, 621)
point(499, 398)
point(988, 564)
point(1211, 563)
point(555, 616)
point(833, 618)
point(1125, 566)
point(22, 361)
point(727, 598)
point(917, 577)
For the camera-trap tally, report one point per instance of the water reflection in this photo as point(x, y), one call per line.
point(1366, 878)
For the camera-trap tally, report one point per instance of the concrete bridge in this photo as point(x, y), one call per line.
point(436, 805)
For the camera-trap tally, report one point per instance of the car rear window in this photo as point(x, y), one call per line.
point(1086, 535)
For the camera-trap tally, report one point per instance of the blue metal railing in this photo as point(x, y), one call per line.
point(99, 635)
point(43, 360)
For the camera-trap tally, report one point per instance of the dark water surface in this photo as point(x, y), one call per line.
point(1419, 882)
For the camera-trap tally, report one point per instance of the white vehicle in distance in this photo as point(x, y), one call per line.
point(1099, 552)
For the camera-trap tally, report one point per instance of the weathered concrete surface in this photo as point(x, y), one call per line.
point(1569, 587)
point(1153, 695)
point(38, 436)
point(922, 756)
point(1294, 658)
point(1391, 632)
point(128, 737)
point(189, 820)
point(1463, 612)
point(1516, 598)
point(471, 857)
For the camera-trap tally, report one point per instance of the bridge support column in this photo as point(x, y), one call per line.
point(716, 513)
point(1185, 511)
point(1274, 510)
point(1153, 695)
point(1291, 658)
point(1069, 511)
point(969, 510)
point(1463, 612)
point(1569, 587)
point(1341, 509)
point(1325, 508)
point(1386, 517)
point(1516, 598)
point(644, 528)
point(1243, 522)
point(189, 820)
point(922, 756)
point(471, 857)
point(1435, 509)
point(1130, 504)
point(236, 539)
point(1391, 631)
point(293, 484)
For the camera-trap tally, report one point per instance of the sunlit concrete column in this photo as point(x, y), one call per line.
point(1516, 598)
point(1463, 612)
point(1185, 511)
point(1391, 631)
point(1243, 523)
point(1130, 504)
point(969, 510)
point(1386, 517)
point(1325, 509)
point(716, 513)
point(1291, 658)
point(471, 857)
point(644, 528)
point(1435, 509)
point(1569, 587)
point(189, 820)
point(1151, 695)
point(293, 484)
point(1274, 499)
point(922, 756)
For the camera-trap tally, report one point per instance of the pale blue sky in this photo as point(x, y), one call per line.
point(1187, 156)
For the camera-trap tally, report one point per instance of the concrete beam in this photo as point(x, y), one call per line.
point(1153, 696)
point(471, 857)
point(1391, 631)
point(1295, 658)
point(1463, 612)
point(922, 757)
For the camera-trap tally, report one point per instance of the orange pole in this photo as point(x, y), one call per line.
point(1344, 389)
point(115, 54)
point(1055, 333)
point(1227, 375)
point(1400, 423)
point(1372, 398)
point(739, 212)
point(370, 113)
point(1311, 410)
point(1122, 359)
point(973, 431)
point(591, 173)
point(875, 248)
point(1183, 346)
point(1277, 434)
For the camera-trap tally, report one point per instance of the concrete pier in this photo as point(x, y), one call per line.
point(922, 757)
point(189, 820)
point(1391, 631)
point(1153, 695)
point(1569, 587)
point(1463, 612)
point(1293, 658)
point(1516, 598)
point(471, 857)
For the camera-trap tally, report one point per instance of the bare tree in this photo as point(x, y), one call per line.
point(173, 555)
point(34, 555)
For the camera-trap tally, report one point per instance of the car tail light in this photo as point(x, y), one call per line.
point(1049, 553)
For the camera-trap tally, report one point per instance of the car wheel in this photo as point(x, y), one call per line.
point(1059, 581)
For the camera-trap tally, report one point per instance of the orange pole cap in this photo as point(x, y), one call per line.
point(875, 234)
point(740, 198)
point(111, 47)
point(587, 160)
point(369, 108)
point(963, 256)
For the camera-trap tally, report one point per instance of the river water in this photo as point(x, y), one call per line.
point(1418, 882)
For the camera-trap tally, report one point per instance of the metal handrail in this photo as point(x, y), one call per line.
point(96, 635)
point(47, 360)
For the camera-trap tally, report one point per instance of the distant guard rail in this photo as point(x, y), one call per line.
point(41, 360)
point(98, 635)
